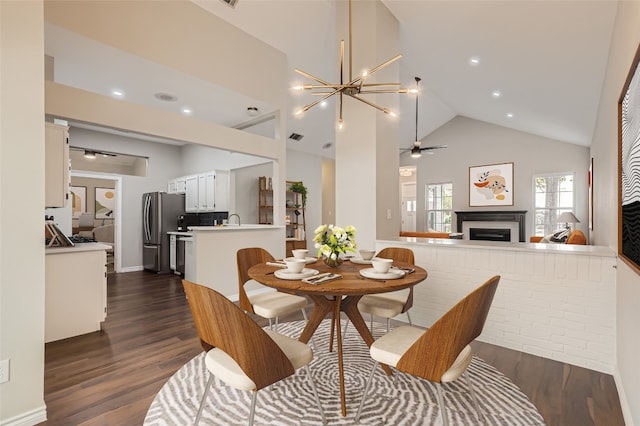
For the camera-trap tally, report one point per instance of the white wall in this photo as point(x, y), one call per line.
point(22, 202)
point(604, 150)
point(244, 187)
point(476, 143)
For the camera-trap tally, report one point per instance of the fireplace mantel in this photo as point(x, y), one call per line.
point(494, 216)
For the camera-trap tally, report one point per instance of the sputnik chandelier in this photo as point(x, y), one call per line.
point(354, 87)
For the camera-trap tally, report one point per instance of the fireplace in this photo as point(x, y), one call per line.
point(490, 234)
point(511, 222)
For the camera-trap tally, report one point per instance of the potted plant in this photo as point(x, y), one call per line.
point(300, 189)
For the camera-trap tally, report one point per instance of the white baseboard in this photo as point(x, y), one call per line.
point(131, 269)
point(28, 418)
point(624, 403)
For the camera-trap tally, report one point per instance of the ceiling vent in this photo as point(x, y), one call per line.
point(295, 136)
point(230, 3)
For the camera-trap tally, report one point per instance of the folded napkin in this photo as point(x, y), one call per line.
point(322, 278)
point(278, 264)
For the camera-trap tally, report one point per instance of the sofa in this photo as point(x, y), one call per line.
point(103, 234)
point(575, 237)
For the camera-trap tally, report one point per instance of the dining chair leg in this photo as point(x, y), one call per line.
point(270, 324)
point(315, 394)
point(371, 321)
point(344, 333)
point(276, 327)
point(202, 400)
point(409, 317)
point(388, 322)
point(252, 412)
point(366, 389)
point(473, 397)
point(441, 404)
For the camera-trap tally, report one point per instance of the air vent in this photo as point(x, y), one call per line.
point(230, 3)
point(295, 136)
point(327, 145)
point(166, 97)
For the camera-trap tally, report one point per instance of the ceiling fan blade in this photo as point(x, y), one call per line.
point(427, 148)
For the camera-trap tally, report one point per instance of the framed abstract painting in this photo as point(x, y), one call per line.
point(491, 185)
point(105, 203)
point(629, 168)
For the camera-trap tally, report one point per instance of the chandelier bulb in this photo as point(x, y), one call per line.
point(340, 124)
point(298, 88)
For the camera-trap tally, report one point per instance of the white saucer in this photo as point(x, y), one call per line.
point(285, 274)
point(391, 275)
point(306, 259)
point(360, 261)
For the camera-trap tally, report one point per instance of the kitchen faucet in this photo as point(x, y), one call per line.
point(236, 215)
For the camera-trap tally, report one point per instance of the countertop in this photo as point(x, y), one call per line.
point(230, 227)
point(79, 247)
point(510, 246)
point(181, 233)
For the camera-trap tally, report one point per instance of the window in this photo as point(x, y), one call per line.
point(439, 206)
point(553, 195)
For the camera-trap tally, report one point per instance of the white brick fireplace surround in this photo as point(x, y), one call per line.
point(554, 301)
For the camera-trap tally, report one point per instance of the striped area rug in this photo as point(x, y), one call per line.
point(398, 400)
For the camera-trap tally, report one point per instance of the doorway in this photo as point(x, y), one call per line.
point(101, 218)
point(408, 196)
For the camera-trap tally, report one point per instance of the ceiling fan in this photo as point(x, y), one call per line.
point(416, 149)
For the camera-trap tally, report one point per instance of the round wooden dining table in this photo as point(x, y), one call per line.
point(341, 295)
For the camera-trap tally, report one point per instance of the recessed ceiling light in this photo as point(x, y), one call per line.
point(166, 97)
point(323, 104)
point(474, 61)
point(187, 111)
point(496, 94)
point(117, 93)
point(252, 111)
point(509, 115)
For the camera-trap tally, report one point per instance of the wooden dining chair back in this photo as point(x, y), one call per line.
point(443, 352)
point(246, 258)
point(223, 325)
point(388, 305)
point(270, 305)
point(243, 355)
point(437, 349)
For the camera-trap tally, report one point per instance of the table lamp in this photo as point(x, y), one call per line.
point(567, 218)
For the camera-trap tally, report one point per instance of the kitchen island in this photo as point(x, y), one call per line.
point(210, 253)
point(75, 290)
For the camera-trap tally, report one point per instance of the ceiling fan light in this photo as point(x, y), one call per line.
point(89, 154)
point(416, 152)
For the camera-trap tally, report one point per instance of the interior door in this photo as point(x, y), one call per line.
point(408, 206)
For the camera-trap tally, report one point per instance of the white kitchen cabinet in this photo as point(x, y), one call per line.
point(191, 194)
point(56, 166)
point(222, 191)
point(171, 186)
point(181, 185)
point(75, 290)
point(206, 191)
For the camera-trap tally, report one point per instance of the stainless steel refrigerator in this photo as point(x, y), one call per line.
point(160, 213)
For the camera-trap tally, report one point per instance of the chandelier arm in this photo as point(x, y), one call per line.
point(378, 107)
point(383, 91)
point(378, 68)
point(312, 77)
point(316, 102)
point(381, 84)
point(350, 46)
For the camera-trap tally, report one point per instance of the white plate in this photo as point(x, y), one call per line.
point(307, 259)
point(285, 274)
point(360, 261)
point(391, 275)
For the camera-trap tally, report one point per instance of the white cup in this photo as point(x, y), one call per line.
point(381, 265)
point(300, 253)
point(367, 254)
point(295, 265)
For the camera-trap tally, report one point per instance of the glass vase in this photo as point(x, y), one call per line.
point(331, 262)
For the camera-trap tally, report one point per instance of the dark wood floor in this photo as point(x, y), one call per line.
point(111, 377)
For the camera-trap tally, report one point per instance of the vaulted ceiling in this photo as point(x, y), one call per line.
point(545, 58)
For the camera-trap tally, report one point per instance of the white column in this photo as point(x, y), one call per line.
point(367, 147)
